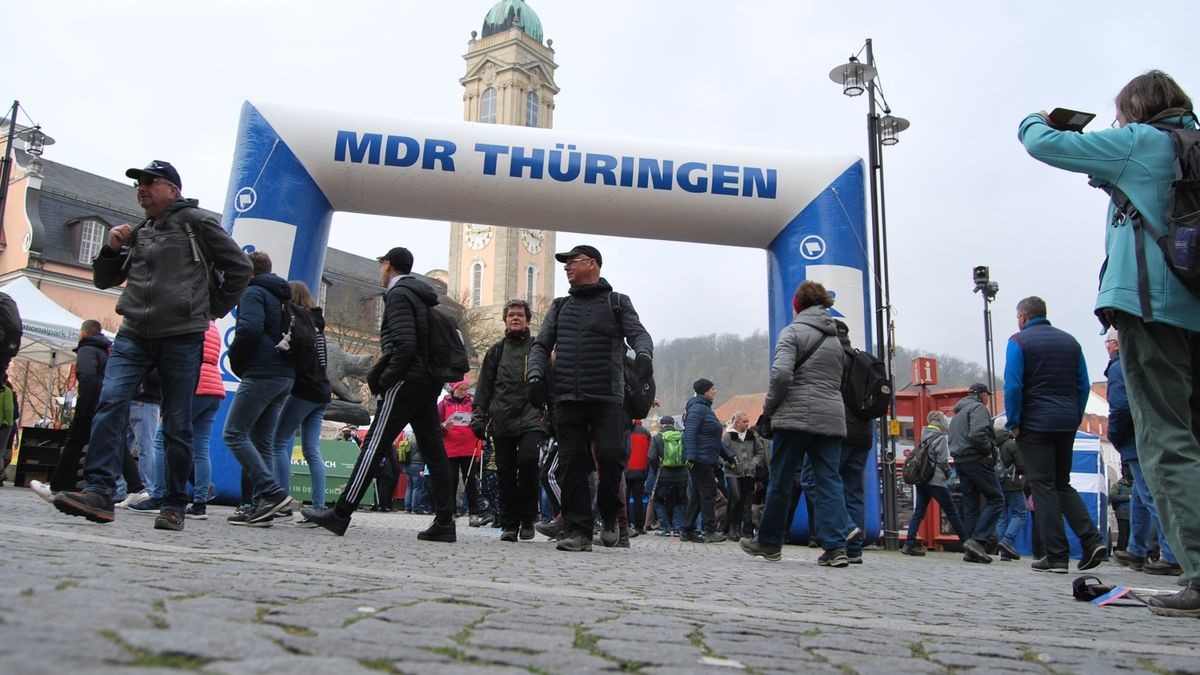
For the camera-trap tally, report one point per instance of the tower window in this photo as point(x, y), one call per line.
point(91, 239)
point(487, 106)
point(530, 283)
point(476, 284)
point(531, 109)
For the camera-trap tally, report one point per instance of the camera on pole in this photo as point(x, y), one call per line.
point(989, 288)
point(984, 283)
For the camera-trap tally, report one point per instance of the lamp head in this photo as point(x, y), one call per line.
point(853, 76)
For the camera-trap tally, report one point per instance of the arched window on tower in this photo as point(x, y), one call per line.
point(487, 106)
point(476, 283)
point(531, 109)
point(530, 283)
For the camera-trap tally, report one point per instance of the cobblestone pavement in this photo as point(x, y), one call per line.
point(223, 599)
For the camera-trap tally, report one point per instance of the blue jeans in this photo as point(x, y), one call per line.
point(416, 496)
point(1142, 519)
point(825, 454)
point(977, 479)
point(941, 495)
point(1012, 518)
point(140, 434)
point(178, 361)
point(853, 463)
point(305, 416)
point(250, 429)
point(203, 408)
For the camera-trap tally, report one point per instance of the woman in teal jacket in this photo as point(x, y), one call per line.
point(1160, 338)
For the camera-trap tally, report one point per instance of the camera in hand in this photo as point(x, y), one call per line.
point(1066, 119)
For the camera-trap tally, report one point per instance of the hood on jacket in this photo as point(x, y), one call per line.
point(98, 340)
point(274, 284)
point(967, 401)
point(179, 203)
point(419, 288)
point(1003, 436)
point(819, 318)
point(601, 286)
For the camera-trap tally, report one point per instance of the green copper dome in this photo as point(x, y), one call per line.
point(512, 14)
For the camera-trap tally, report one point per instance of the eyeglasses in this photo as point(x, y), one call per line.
point(147, 181)
point(1110, 342)
point(572, 261)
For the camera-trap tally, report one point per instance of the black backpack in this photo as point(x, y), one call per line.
point(919, 467)
point(1180, 244)
point(10, 327)
point(866, 389)
point(298, 344)
point(448, 360)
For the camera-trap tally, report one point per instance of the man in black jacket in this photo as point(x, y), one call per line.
point(91, 358)
point(407, 394)
point(589, 329)
point(166, 304)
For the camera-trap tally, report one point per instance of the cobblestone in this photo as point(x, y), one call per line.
point(223, 599)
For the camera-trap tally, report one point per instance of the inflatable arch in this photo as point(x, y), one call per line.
point(293, 167)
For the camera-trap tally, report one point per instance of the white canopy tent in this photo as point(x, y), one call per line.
point(51, 332)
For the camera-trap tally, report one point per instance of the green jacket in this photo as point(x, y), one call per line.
point(502, 405)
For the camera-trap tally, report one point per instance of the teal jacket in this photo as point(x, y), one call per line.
point(1139, 159)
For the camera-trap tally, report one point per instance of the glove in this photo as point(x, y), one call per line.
point(373, 378)
point(644, 367)
point(763, 426)
point(537, 393)
point(689, 465)
point(480, 431)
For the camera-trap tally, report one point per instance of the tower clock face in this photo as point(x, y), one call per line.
point(478, 236)
point(532, 239)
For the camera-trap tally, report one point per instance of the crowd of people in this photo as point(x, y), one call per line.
point(550, 418)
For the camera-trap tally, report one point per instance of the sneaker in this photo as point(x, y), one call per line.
point(526, 532)
point(147, 507)
point(834, 557)
point(196, 512)
point(1182, 581)
point(856, 534)
point(854, 558)
point(752, 547)
point(692, 536)
point(1007, 552)
point(973, 552)
point(169, 519)
point(91, 505)
point(1127, 559)
point(135, 498)
point(1045, 565)
point(508, 535)
point(475, 521)
point(1163, 568)
point(715, 537)
point(663, 533)
point(1092, 559)
point(439, 532)
point(576, 542)
point(623, 540)
point(913, 548)
point(266, 507)
point(283, 514)
point(486, 519)
point(1185, 603)
point(550, 529)
point(42, 490)
point(241, 516)
point(610, 533)
point(326, 517)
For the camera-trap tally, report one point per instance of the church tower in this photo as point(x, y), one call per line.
point(509, 80)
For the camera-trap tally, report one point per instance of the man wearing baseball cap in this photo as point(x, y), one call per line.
point(163, 262)
point(590, 329)
point(973, 445)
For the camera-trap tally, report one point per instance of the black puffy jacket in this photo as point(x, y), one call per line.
point(589, 365)
point(404, 334)
point(260, 328)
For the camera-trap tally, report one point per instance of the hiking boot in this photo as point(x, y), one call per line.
point(1007, 552)
point(1185, 603)
point(42, 490)
point(475, 521)
point(283, 514)
point(854, 558)
point(266, 507)
point(1163, 568)
point(550, 529)
point(692, 536)
point(856, 534)
point(576, 542)
point(196, 512)
point(436, 531)
point(1127, 559)
point(1092, 558)
point(973, 552)
point(752, 547)
point(486, 519)
point(91, 505)
point(526, 532)
point(1046, 565)
point(241, 516)
point(915, 548)
point(834, 557)
point(148, 507)
point(623, 540)
point(610, 533)
point(327, 518)
point(715, 537)
point(508, 535)
point(169, 519)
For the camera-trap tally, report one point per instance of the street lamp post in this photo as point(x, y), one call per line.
point(35, 142)
point(984, 284)
point(858, 77)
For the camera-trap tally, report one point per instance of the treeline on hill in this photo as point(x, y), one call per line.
point(739, 365)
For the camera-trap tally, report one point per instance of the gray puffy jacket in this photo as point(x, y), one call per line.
point(808, 399)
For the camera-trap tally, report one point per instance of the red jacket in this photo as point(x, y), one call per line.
point(459, 441)
point(210, 383)
point(639, 451)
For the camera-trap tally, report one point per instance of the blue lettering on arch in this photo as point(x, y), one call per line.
point(684, 177)
point(724, 180)
point(603, 166)
point(438, 150)
point(392, 156)
point(753, 179)
point(650, 171)
point(367, 148)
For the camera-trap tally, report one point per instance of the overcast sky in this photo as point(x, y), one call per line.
point(118, 83)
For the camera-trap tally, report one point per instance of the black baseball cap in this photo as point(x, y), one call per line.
point(583, 249)
point(400, 258)
point(979, 388)
point(158, 169)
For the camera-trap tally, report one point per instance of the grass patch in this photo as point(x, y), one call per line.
point(381, 665)
point(299, 631)
point(460, 601)
point(188, 596)
point(142, 658)
point(159, 605)
point(1149, 664)
point(453, 652)
point(586, 641)
point(355, 619)
point(64, 585)
point(696, 638)
point(158, 622)
point(814, 632)
point(27, 592)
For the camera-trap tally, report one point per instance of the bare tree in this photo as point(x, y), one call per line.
point(353, 323)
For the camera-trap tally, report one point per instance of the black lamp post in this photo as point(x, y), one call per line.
point(35, 143)
point(984, 284)
point(857, 77)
